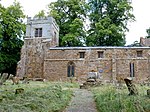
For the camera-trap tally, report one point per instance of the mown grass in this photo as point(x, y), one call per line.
point(37, 97)
point(110, 99)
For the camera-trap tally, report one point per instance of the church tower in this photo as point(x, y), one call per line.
point(41, 34)
point(42, 28)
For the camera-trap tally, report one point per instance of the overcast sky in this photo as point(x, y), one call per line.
point(137, 29)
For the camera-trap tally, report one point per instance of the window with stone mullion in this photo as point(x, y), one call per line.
point(38, 32)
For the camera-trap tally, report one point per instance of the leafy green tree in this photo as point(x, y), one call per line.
point(11, 30)
point(135, 44)
point(148, 32)
point(40, 14)
point(70, 16)
point(108, 22)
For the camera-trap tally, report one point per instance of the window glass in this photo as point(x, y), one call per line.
point(132, 70)
point(100, 54)
point(38, 32)
point(82, 54)
point(139, 53)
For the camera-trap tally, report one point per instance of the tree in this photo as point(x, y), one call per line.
point(148, 32)
point(108, 22)
point(135, 44)
point(11, 31)
point(70, 16)
point(40, 14)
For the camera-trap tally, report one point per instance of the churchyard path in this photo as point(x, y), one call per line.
point(82, 101)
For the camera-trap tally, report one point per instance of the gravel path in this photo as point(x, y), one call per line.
point(82, 101)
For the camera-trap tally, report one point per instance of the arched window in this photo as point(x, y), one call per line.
point(71, 69)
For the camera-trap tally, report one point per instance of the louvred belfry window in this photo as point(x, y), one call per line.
point(38, 32)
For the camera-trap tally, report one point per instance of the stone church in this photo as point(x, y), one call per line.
point(41, 58)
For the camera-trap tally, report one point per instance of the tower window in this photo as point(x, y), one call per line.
point(82, 54)
point(38, 32)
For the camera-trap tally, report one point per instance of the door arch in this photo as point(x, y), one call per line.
point(70, 69)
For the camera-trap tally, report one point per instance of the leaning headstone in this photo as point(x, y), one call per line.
point(25, 81)
point(3, 78)
point(14, 79)
point(131, 87)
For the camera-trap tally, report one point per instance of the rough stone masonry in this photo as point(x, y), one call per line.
point(41, 58)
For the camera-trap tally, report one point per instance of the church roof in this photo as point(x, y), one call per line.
point(99, 47)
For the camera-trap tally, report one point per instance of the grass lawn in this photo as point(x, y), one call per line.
point(110, 99)
point(37, 97)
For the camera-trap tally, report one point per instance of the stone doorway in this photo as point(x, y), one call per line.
point(71, 69)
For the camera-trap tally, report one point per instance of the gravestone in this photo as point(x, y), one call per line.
point(14, 79)
point(131, 87)
point(3, 78)
point(92, 75)
point(91, 81)
point(19, 91)
point(25, 80)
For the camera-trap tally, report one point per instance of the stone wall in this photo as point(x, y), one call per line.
point(32, 57)
point(40, 60)
point(116, 62)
